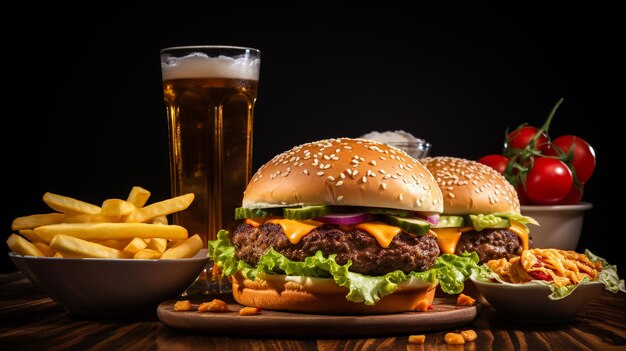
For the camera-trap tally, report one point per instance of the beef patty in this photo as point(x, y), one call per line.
point(405, 252)
point(490, 244)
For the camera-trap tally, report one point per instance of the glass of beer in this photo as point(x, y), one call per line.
point(210, 92)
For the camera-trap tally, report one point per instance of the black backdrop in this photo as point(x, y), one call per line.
point(83, 112)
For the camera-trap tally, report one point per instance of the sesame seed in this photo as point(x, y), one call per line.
point(364, 179)
point(414, 176)
point(339, 183)
point(327, 166)
point(354, 173)
point(331, 178)
point(394, 176)
point(373, 162)
point(400, 197)
point(283, 203)
point(347, 147)
point(337, 150)
point(343, 176)
point(382, 158)
point(321, 173)
point(387, 176)
point(451, 195)
point(326, 157)
point(382, 171)
point(321, 166)
point(349, 171)
point(384, 185)
point(340, 197)
point(306, 172)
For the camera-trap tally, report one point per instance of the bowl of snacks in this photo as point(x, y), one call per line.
point(118, 259)
point(546, 285)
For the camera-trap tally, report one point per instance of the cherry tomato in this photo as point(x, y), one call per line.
point(548, 181)
point(584, 161)
point(574, 196)
point(497, 162)
point(519, 138)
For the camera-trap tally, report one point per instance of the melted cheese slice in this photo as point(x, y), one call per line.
point(382, 232)
point(449, 237)
point(518, 229)
point(295, 229)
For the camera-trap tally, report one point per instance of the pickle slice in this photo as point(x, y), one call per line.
point(450, 222)
point(410, 225)
point(386, 211)
point(306, 212)
point(242, 213)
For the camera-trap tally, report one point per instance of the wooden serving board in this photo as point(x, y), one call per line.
point(274, 324)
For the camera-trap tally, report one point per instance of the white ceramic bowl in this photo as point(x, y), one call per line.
point(560, 226)
point(94, 287)
point(529, 303)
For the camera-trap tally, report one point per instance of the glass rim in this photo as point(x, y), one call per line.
point(197, 47)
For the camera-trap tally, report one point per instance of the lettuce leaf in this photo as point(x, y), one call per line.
point(608, 276)
point(450, 271)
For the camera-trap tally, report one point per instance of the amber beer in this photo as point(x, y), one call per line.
point(209, 95)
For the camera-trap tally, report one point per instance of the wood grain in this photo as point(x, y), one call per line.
point(31, 321)
point(444, 315)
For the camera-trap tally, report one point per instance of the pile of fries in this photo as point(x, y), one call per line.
point(116, 229)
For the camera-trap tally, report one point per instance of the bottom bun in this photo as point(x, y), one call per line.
point(323, 296)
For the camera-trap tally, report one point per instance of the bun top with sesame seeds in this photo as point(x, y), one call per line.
point(469, 187)
point(344, 172)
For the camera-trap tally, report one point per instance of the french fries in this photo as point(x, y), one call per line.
point(22, 246)
point(70, 246)
point(185, 250)
point(103, 231)
point(69, 205)
point(117, 229)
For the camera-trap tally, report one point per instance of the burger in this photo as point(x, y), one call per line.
point(339, 226)
point(481, 210)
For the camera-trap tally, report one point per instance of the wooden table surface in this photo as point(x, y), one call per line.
point(29, 320)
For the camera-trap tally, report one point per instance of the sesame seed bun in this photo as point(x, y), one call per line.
point(469, 187)
point(322, 295)
point(345, 172)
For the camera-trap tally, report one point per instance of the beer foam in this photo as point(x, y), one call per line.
point(199, 65)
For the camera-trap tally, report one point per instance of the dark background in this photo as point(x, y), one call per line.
point(83, 112)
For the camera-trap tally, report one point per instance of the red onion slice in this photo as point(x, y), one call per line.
point(344, 218)
point(433, 218)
